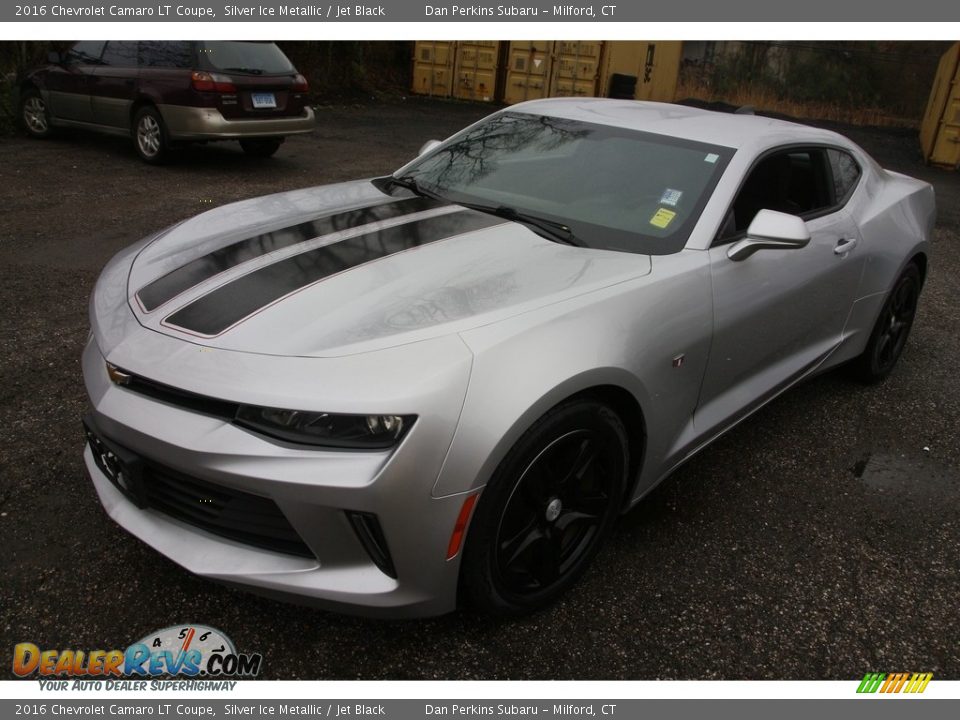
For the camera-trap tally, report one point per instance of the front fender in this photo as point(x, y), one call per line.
point(625, 336)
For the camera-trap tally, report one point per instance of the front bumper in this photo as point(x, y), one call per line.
point(196, 123)
point(313, 488)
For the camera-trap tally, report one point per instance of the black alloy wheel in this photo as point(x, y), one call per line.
point(890, 333)
point(547, 510)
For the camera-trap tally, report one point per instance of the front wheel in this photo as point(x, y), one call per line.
point(150, 136)
point(891, 330)
point(547, 510)
point(34, 114)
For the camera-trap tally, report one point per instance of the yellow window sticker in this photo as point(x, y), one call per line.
point(662, 217)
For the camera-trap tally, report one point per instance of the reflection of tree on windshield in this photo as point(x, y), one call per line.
point(479, 151)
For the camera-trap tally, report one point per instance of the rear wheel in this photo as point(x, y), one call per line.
point(150, 135)
point(891, 330)
point(34, 115)
point(261, 147)
point(547, 510)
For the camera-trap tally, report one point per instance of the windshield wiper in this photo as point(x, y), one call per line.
point(554, 230)
point(408, 182)
point(248, 71)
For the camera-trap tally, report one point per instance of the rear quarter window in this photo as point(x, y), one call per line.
point(846, 174)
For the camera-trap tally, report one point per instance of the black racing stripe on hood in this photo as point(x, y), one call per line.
point(203, 268)
point(230, 303)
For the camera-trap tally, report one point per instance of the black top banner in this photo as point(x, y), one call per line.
point(529, 11)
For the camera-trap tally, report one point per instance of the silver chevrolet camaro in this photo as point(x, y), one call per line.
point(384, 396)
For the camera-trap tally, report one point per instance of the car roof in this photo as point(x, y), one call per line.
point(681, 121)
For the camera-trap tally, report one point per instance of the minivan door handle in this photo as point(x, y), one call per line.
point(845, 245)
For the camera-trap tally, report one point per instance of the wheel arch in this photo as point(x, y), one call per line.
point(613, 386)
point(27, 84)
point(141, 102)
point(920, 260)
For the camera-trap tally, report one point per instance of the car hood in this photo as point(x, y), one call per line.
point(343, 269)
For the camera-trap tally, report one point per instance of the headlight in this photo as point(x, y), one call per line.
point(313, 428)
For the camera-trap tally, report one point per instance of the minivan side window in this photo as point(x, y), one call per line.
point(86, 52)
point(156, 53)
point(120, 54)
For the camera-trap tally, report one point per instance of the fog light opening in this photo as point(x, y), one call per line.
point(368, 530)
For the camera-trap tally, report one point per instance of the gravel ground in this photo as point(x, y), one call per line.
point(819, 540)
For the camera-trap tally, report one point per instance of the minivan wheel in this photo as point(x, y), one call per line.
point(150, 135)
point(261, 147)
point(33, 113)
point(547, 509)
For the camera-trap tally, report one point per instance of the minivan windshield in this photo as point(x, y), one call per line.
point(608, 187)
point(253, 58)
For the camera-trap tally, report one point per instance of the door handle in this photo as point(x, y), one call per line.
point(845, 245)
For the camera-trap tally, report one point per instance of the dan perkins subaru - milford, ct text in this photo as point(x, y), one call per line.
point(520, 11)
point(555, 711)
point(388, 395)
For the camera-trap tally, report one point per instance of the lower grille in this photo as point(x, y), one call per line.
point(220, 510)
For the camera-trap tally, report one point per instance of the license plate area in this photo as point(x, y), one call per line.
point(263, 100)
point(121, 467)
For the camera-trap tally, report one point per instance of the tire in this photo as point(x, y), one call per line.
point(34, 114)
point(890, 332)
point(150, 139)
point(547, 510)
point(261, 147)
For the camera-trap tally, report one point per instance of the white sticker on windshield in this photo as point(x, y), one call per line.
point(671, 197)
point(711, 158)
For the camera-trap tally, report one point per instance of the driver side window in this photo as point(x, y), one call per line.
point(795, 181)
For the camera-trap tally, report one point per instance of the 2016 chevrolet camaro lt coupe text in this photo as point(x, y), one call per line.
point(384, 396)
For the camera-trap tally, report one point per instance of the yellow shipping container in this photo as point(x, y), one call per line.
point(466, 70)
point(433, 68)
point(940, 130)
point(476, 70)
point(539, 69)
point(530, 69)
point(656, 65)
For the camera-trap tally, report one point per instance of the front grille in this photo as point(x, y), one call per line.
point(220, 510)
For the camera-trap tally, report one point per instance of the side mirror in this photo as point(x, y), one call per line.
point(771, 230)
point(427, 147)
point(54, 58)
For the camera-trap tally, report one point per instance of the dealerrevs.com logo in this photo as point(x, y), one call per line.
point(185, 651)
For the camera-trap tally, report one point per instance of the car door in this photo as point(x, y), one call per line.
point(68, 84)
point(779, 313)
point(113, 85)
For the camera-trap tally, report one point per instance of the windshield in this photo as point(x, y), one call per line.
point(613, 188)
point(255, 58)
